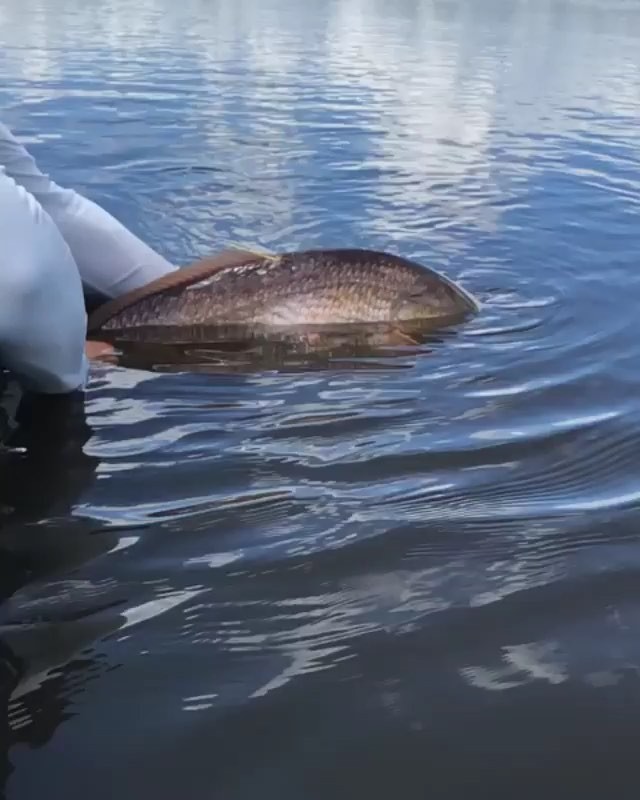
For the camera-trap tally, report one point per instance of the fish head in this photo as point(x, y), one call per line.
point(436, 297)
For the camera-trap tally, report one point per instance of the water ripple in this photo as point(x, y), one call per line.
point(231, 556)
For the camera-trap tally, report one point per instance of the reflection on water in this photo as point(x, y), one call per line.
point(414, 572)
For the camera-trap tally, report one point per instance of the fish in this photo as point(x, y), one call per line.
point(242, 309)
point(300, 295)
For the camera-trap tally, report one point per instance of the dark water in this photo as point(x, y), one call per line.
point(419, 579)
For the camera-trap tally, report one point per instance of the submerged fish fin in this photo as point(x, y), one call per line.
point(398, 337)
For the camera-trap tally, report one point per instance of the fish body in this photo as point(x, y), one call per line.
point(306, 288)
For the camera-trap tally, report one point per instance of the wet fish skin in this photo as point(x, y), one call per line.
point(313, 287)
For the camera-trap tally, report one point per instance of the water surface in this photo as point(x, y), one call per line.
point(417, 576)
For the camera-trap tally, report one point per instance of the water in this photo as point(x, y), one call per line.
point(421, 578)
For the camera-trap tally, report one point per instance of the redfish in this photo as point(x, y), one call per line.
point(307, 288)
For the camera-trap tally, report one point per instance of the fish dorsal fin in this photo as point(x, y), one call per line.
point(181, 277)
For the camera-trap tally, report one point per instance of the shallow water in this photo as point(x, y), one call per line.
point(415, 575)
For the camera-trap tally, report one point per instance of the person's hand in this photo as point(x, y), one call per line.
point(100, 351)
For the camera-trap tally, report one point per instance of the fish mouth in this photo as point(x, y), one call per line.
point(468, 300)
point(471, 300)
point(444, 301)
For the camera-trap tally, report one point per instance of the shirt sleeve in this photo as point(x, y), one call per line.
point(42, 314)
point(110, 258)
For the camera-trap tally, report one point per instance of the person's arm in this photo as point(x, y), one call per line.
point(42, 313)
point(110, 258)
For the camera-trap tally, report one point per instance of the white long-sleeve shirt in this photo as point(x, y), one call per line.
point(42, 313)
point(53, 243)
point(110, 258)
